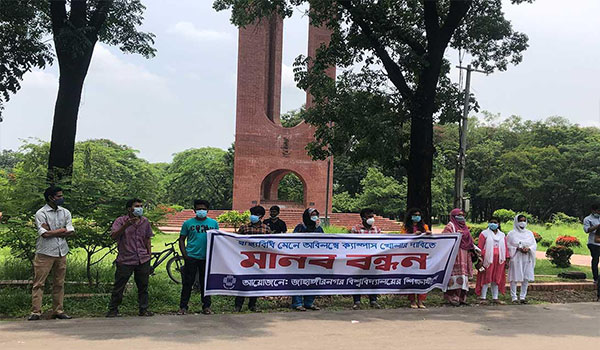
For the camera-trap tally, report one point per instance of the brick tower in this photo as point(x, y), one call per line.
point(264, 150)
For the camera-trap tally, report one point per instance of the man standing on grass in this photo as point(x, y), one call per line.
point(133, 233)
point(591, 226)
point(367, 225)
point(54, 226)
point(255, 227)
point(194, 230)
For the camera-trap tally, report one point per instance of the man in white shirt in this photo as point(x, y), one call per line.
point(591, 226)
point(54, 226)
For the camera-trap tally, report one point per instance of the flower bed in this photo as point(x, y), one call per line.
point(568, 241)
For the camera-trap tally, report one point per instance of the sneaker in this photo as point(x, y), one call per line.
point(34, 317)
point(113, 313)
point(375, 305)
point(515, 301)
point(61, 316)
point(145, 313)
point(524, 301)
point(356, 306)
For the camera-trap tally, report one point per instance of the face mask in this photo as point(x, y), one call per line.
point(460, 218)
point(201, 213)
point(416, 218)
point(314, 218)
point(596, 215)
point(254, 219)
point(493, 226)
point(138, 211)
point(522, 224)
point(370, 221)
point(274, 215)
point(59, 201)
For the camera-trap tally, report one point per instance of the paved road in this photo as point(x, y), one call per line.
point(566, 326)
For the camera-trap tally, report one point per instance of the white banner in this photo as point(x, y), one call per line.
point(326, 264)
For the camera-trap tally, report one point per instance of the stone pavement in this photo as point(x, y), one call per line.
point(551, 326)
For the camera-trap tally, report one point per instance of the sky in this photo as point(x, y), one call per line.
point(185, 97)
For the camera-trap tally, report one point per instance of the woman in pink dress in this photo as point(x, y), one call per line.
point(458, 285)
point(494, 250)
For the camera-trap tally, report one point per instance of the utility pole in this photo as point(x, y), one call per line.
point(459, 180)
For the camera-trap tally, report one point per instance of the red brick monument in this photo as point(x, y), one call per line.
point(265, 151)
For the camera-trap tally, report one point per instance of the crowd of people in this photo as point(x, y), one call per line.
point(496, 255)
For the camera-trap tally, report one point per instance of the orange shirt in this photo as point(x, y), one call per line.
point(405, 232)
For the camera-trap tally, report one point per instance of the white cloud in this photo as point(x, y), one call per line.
point(189, 31)
point(287, 76)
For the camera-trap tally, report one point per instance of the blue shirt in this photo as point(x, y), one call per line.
point(195, 231)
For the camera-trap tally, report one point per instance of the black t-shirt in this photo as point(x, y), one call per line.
point(278, 226)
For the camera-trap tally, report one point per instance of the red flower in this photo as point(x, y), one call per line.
point(568, 241)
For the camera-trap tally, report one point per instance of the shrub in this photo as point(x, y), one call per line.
point(545, 243)
point(505, 215)
point(476, 230)
point(93, 239)
point(560, 255)
point(234, 218)
point(548, 225)
point(20, 236)
point(537, 237)
point(568, 241)
point(562, 218)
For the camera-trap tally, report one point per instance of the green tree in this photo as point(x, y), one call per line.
point(383, 194)
point(401, 47)
point(234, 218)
point(76, 26)
point(201, 173)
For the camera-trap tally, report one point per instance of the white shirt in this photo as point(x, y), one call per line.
point(55, 219)
point(588, 222)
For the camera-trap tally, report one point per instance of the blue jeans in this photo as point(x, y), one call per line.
point(308, 300)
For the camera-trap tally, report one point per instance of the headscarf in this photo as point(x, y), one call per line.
point(466, 241)
point(522, 235)
point(306, 219)
point(490, 238)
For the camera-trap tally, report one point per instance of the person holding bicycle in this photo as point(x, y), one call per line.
point(194, 253)
point(133, 234)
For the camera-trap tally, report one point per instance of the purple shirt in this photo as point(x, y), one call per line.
point(132, 243)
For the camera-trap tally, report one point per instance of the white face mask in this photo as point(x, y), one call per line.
point(370, 221)
point(522, 224)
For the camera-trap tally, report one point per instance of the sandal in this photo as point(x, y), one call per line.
point(414, 306)
point(422, 306)
point(313, 308)
point(299, 308)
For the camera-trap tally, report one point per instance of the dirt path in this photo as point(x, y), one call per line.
point(552, 326)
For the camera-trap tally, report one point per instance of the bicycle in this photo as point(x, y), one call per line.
point(174, 265)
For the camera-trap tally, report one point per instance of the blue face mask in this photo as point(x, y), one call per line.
point(460, 218)
point(416, 218)
point(201, 213)
point(493, 226)
point(138, 211)
point(254, 219)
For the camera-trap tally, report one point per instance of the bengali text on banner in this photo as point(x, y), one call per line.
point(326, 264)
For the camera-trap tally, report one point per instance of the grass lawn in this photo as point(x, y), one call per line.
point(164, 294)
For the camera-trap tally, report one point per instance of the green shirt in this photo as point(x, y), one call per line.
point(195, 231)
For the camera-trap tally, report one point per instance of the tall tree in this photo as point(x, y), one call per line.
point(76, 26)
point(400, 45)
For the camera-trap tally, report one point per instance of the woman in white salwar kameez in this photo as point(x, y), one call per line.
point(521, 247)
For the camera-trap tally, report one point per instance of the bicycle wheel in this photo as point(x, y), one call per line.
point(175, 268)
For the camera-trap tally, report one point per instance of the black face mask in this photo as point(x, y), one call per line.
point(273, 216)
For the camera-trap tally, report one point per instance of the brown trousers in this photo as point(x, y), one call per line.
point(42, 265)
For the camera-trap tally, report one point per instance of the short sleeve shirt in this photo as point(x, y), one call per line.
point(195, 231)
point(588, 222)
point(278, 226)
